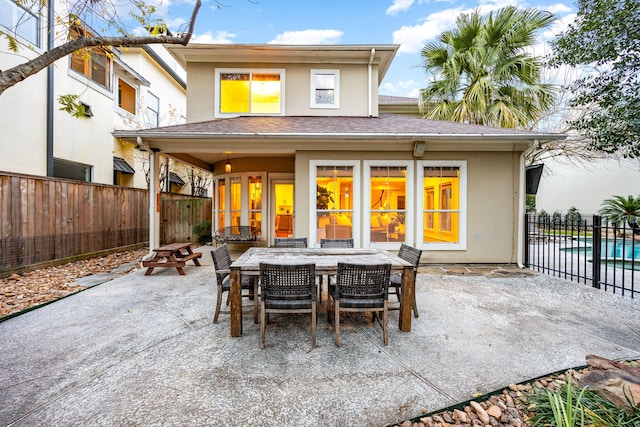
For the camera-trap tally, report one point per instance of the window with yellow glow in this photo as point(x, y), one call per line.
point(255, 203)
point(250, 92)
point(334, 202)
point(236, 201)
point(441, 209)
point(221, 194)
point(387, 213)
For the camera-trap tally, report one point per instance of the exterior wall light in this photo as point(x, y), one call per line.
point(227, 165)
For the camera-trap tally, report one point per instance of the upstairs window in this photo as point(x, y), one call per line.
point(153, 110)
point(126, 97)
point(324, 88)
point(93, 63)
point(255, 92)
point(21, 22)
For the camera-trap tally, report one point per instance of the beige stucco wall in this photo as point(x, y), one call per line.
point(353, 90)
point(492, 202)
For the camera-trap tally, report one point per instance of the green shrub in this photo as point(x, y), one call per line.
point(543, 219)
point(556, 219)
point(572, 217)
point(203, 232)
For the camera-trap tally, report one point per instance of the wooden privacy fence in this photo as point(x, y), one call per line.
point(44, 219)
point(179, 213)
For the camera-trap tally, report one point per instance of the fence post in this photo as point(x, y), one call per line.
point(596, 251)
point(526, 240)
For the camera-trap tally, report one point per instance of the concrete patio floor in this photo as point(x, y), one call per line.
point(141, 350)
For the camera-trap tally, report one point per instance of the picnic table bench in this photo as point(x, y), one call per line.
point(235, 234)
point(172, 255)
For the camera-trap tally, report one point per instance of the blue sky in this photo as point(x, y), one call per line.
point(409, 23)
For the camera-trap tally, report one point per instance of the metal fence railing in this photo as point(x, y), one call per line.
point(591, 251)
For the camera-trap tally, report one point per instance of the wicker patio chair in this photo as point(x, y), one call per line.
point(336, 243)
point(221, 262)
point(412, 255)
point(287, 289)
point(283, 242)
point(361, 288)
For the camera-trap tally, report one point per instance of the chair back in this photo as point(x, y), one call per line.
point(368, 282)
point(288, 283)
point(221, 262)
point(297, 242)
point(412, 255)
point(336, 243)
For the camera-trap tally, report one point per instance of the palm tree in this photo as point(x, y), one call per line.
point(483, 73)
point(620, 209)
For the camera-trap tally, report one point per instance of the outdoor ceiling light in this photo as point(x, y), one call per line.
point(227, 165)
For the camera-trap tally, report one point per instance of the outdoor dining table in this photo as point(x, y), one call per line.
point(326, 261)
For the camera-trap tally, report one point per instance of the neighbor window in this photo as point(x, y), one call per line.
point(72, 170)
point(443, 201)
point(153, 110)
point(249, 92)
point(324, 88)
point(94, 63)
point(126, 97)
point(389, 209)
point(334, 203)
point(20, 21)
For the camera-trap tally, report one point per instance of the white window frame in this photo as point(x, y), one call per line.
point(462, 216)
point(219, 71)
point(22, 18)
point(366, 203)
point(150, 96)
point(313, 220)
point(336, 89)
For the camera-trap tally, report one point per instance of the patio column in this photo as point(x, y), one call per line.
point(154, 200)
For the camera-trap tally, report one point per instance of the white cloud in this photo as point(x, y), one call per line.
point(388, 88)
point(413, 38)
point(558, 8)
point(220, 37)
point(399, 6)
point(308, 37)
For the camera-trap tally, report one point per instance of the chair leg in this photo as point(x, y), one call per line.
point(385, 324)
point(255, 299)
point(314, 322)
point(336, 310)
point(263, 323)
point(218, 304)
point(415, 306)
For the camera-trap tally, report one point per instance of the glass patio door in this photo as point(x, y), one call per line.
point(282, 213)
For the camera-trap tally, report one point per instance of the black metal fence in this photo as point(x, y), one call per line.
point(590, 251)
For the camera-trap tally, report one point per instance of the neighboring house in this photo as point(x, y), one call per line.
point(299, 147)
point(126, 88)
point(586, 185)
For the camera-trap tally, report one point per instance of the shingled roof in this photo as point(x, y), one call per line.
point(383, 126)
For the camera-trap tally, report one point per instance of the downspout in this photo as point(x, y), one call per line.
point(369, 79)
point(50, 84)
point(521, 206)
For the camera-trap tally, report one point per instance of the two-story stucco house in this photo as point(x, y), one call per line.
point(298, 147)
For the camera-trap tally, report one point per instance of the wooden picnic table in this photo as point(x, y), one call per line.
point(326, 261)
point(172, 255)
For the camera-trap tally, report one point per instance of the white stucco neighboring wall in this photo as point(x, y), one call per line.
point(586, 186)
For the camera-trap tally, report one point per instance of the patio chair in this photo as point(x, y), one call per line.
point(221, 262)
point(283, 242)
point(336, 243)
point(333, 243)
point(412, 255)
point(287, 288)
point(361, 288)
